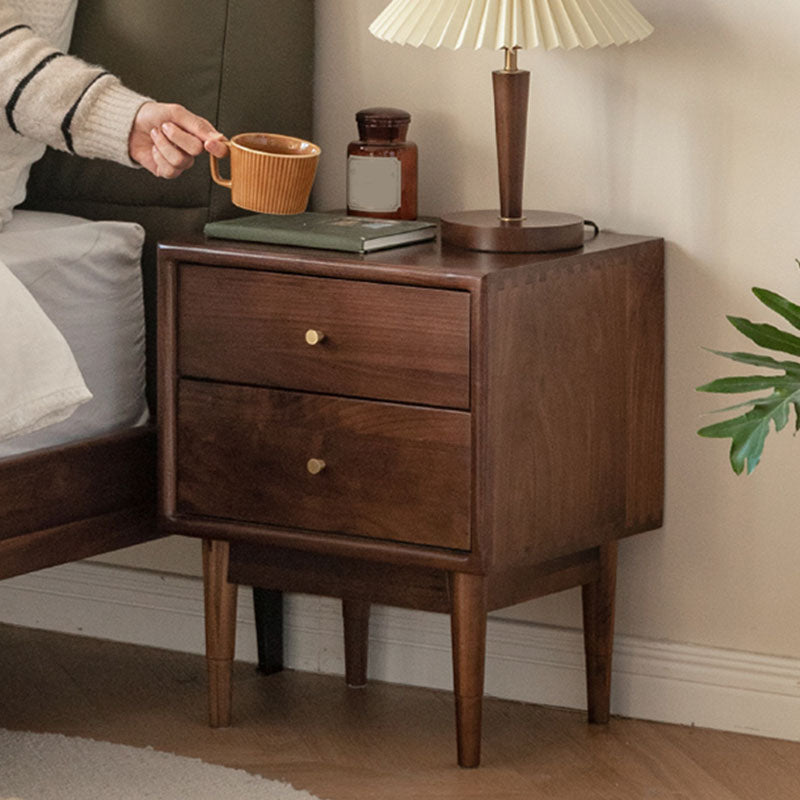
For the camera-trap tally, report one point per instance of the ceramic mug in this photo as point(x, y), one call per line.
point(270, 173)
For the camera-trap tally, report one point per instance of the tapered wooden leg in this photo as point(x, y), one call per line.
point(268, 607)
point(356, 641)
point(220, 607)
point(468, 626)
point(598, 634)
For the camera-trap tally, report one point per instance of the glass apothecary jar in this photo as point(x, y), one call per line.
point(382, 166)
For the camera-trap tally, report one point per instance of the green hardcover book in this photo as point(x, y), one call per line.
point(329, 231)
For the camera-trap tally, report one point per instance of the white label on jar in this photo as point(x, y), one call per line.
point(374, 183)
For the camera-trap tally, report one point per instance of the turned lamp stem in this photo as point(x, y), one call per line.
point(510, 114)
point(512, 230)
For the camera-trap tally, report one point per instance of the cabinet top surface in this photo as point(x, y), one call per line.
point(429, 261)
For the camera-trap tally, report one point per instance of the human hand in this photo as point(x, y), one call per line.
point(166, 137)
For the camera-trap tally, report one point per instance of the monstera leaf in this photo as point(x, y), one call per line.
point(749, 430)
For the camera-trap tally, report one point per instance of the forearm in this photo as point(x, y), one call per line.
point(60, 100)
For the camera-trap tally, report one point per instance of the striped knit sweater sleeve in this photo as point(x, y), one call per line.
point(59, 100)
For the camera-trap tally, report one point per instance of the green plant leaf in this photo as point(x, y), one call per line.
point(767, 335)
point(780, 305)
point(781, 416)
point(750, 383)
point(749, 431)
point(752, 403)
point(747, 449)
point(759, 361)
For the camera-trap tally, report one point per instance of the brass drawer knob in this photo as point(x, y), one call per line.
point(314, 337)
point(315, 465)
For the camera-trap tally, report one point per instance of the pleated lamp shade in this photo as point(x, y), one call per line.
point(511, 23)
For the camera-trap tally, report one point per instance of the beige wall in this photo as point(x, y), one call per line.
point(693, 135)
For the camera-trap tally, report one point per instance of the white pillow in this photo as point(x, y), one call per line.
point(41, 383)
point(53, 20)
point(87, 278)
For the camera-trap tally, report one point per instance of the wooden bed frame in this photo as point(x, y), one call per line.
point(66, 503)
point(243, 64)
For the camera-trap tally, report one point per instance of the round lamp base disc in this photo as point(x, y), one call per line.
point(536, 232)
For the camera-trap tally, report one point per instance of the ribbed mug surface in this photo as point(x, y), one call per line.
point(270, 173)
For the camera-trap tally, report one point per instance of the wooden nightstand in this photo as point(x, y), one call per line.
point(427, 427)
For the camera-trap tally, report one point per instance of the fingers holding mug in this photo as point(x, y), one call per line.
point(216, 145)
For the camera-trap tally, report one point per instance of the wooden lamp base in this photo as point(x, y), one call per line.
point(512, 229)
point(536, 232)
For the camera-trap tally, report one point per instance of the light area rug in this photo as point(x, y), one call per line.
point(50, 766)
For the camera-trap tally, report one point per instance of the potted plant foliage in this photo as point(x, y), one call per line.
point(749, 429)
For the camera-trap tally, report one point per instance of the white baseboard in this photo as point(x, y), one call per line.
point(662, 681)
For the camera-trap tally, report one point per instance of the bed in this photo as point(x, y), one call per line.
point(87, 485)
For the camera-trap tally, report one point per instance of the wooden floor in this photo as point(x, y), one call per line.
point(384, 742)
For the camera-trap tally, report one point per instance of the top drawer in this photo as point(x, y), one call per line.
point(382, 341)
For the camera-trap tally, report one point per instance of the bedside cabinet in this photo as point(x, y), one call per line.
point(428, 427)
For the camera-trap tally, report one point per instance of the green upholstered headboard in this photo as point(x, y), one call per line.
point(246, 65)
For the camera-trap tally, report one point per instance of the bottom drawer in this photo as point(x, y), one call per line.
point(386, 471)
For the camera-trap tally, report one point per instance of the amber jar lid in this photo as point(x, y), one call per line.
point(383, 123)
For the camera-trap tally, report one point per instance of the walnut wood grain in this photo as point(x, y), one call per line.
point(511, 585)
point(520, 492)
point(468, 625)
point(510, 89)
point(391, 471)
point(568, 408)
point(56, 486)
point(291, 570)
point(380, 341)
point(323, 543)
point(645, 389)
point(432, 264)
point(76, 540)
point(535, 231)
point(598, 632)
point(220, 619)
point(70, 502)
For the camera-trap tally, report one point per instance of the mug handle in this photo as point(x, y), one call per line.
point(215, 176)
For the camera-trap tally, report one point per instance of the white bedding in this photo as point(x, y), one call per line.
point(86, 278)
point(40, 383)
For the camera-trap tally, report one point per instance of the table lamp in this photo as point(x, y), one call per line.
point(511, 25)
